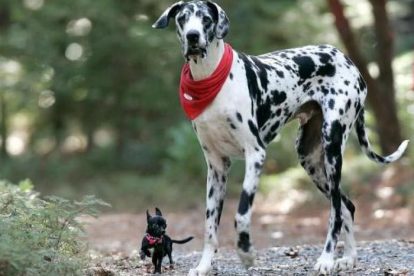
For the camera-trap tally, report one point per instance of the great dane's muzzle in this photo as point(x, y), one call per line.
point(194, 47)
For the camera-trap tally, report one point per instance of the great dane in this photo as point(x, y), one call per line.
point(319, 85)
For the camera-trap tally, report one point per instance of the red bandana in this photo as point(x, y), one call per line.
point(195, 96)
point(153, 240)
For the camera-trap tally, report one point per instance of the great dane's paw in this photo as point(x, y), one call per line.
point(324, 265)
point(247, 258)
point(345, 263)
point(198, 272)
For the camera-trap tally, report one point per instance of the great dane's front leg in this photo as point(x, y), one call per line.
point(216, 189)
point(254, 163)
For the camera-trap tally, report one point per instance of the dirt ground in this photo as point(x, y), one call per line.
point(122, 233)
point(375, 258)
point(115, 238)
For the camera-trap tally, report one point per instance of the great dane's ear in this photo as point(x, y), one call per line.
point(148, 216)
point(158, 212)
point(164, 19)
point(222, 21)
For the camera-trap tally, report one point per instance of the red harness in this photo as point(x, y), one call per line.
point(153, 240)
point(195, 96)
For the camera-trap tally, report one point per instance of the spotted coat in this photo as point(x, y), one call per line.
point(318, 85)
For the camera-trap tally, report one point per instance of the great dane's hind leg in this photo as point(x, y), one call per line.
point(254, 162)
point(312, 158)
point(218, 168)
point(334, 137)
point(349, 258)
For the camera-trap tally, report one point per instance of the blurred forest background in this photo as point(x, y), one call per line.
point(89, 105)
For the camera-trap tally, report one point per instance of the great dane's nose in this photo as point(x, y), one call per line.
point(193, 36)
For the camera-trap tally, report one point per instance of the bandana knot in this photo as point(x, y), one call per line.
point(195, 96)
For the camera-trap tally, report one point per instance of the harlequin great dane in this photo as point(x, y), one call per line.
point(319, 85)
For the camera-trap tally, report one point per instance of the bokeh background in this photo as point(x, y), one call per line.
point(89, 105)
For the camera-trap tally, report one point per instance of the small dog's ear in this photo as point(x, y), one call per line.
point(170, 12)
point(222, 21)
point(148, 216)
point(158, 212)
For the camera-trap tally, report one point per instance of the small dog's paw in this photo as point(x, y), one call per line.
point(345, 263)
point(247, 258)
point(142, 255)
point(324, 265)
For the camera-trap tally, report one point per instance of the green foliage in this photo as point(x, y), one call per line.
point(185, 155)
point(41, 236)
point(281, 153)
point(357, 175)
point(110, 121)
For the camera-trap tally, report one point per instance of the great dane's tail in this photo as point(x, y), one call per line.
point(366, 147)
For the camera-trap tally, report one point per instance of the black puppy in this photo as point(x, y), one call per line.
point(156, 238)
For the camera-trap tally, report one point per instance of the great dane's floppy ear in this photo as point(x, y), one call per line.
point(164, 19)
point(158, 212)
point(148, 216)
point(222, 21)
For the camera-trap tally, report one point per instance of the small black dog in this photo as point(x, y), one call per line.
point(156, 238)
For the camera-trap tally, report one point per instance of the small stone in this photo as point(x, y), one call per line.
point(292, 252)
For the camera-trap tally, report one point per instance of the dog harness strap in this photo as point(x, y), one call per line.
point(153, 240)
point(195, 96)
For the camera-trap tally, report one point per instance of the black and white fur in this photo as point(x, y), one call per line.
point(319, 85)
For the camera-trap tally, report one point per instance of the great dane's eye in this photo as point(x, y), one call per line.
point(181, 20)
point(207, 21)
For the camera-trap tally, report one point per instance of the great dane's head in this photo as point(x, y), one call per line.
point(198, 23)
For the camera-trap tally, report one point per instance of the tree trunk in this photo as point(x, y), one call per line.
point(381, 92)
point(4, 24)
point(4, 16)
point(121, 127)
point(89, 139)
point(385, 39)
point(3, 127)
point(58, 122)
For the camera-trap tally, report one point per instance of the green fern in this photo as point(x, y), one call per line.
point(42, 236)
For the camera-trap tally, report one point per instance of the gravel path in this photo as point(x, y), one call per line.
point(374, 258)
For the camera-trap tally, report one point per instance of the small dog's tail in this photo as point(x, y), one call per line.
point(182, 241)
point(366, 147)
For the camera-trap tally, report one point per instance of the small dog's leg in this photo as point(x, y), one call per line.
point(254, 163)
point(216, 189)
point(157, 269)
point(144, 249)
point(171, 259)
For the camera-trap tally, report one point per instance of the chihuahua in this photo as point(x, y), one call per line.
point(156, 239)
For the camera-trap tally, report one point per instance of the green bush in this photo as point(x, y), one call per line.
point(41, 236)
